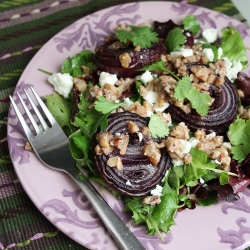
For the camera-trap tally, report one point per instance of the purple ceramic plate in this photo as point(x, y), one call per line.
point(221, 226)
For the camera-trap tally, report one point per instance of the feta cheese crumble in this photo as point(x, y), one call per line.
point(106, 78)
point(181, 52)
point(208, 53)
point(146, 77)
point(157, 191)
point(210, 34)
point(232, 68)
point(62, 83)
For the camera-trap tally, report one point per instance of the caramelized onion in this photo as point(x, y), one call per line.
point(107, 57)
point(221, 114)
point(138, 176)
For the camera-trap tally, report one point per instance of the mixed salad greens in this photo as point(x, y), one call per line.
point(202, 181)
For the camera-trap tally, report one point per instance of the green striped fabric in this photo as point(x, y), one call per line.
point(25, 26)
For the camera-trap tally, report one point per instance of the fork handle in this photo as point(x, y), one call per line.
point(124, 238)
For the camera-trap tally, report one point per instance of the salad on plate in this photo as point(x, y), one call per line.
point(159, 115)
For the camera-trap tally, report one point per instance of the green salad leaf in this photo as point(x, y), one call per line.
point(191, 23)
point(142, 36)
point(60, 108)
point(105, 106)
point(199, 101)
point(175, 39)
point(73, 65)
point(233, 46)
point(239, 136)
point(157, 127)
point(159, 217)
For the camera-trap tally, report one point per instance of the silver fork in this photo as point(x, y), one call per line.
point(51, 145)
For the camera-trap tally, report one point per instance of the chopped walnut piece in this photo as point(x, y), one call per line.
point(137, 108)
point(151, 200)
point(115, 162)
point(174, 147)
point(133, 127)
point(96, 91)
point(152, 152)
point(137, 48)
point(201, 72)
point(125, 59)
point(121, 142)
point(180, 131)
point(80, 84)
point(28, 147)
point(104, 139)
point(146, 133)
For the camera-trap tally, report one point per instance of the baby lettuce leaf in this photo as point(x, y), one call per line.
point(60, 108)
point(239, 136)
point(159, 217)
point(175, 39)
point(191, 24)
point(233, 46)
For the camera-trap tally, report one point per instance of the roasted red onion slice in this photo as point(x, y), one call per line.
point(221, 114)
point(138, 176)
point(107, 57)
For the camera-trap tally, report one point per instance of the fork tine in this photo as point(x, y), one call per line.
point(32, 120)
point(44, 108)
point(39, 116)
point(21, 119)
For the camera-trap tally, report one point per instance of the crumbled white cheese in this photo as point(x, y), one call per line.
point(128, 183)
point(117, 134)
point(151, 97)
point(62, 83)
point(146, 77)
point(177, 162)
point(208, 53)
point(220, 52)
point(182, 52)
point(127, 103)
point(140, 136)
point(149, 113)
point(186, 146)
point(227, 145)
point(161, 109)
point(216, 161)
point(157, 191)
point(210, 136)
point(194, 142)
point(210, 35)
point(232, 68)
point(202, 181)
point(106, 78)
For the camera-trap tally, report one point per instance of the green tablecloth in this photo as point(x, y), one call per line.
point(25, 26)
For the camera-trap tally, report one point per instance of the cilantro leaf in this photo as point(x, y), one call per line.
point(199, 101)
point(231, 38)
point(158, 127)
point(143, 36)
point(158, 66)
point(239, 136)
point(175, 39)
point(105, 106)
point(192, 24)
point(73, 65)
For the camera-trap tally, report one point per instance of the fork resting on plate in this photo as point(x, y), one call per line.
point(51, 145)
